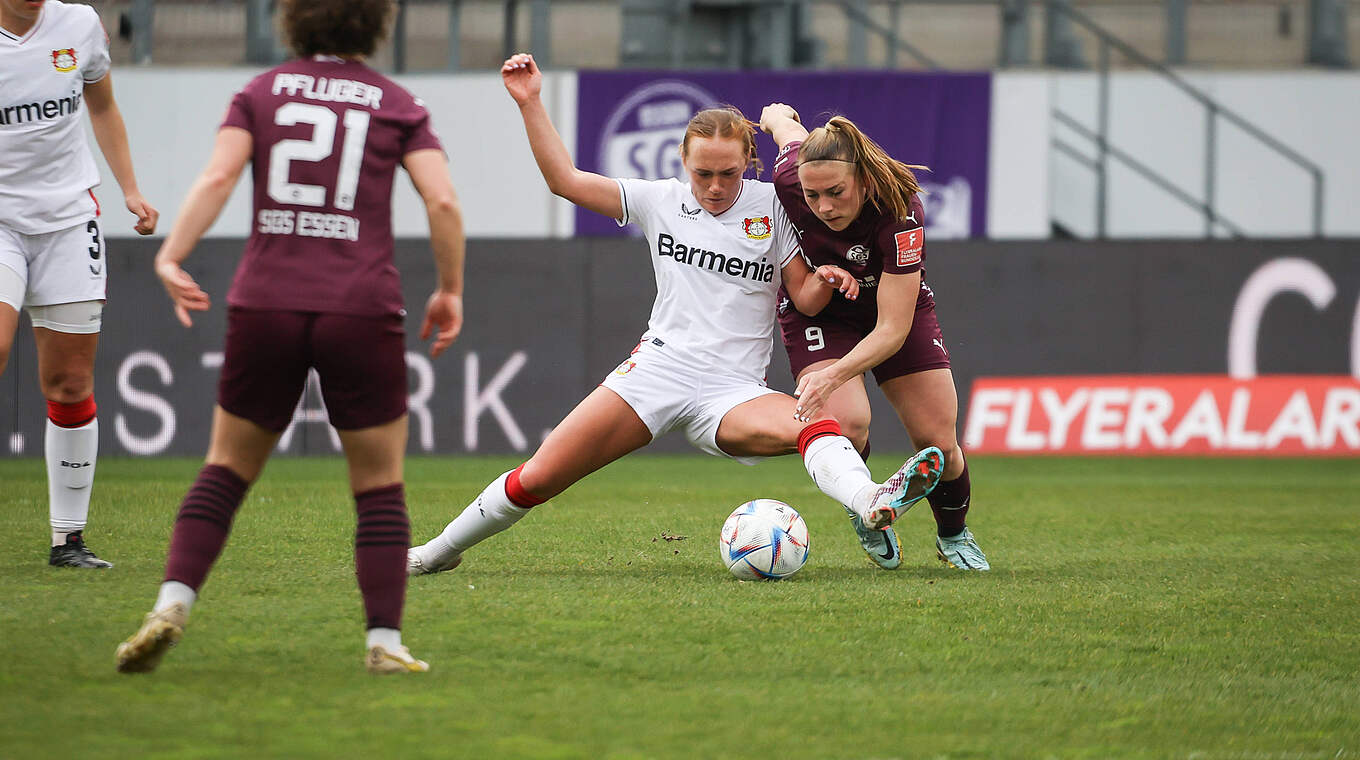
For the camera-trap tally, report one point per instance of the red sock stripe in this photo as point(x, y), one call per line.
point(74, 415)
point(817, 430)
point(517, 494)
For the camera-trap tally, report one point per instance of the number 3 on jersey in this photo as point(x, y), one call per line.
point(318, 148)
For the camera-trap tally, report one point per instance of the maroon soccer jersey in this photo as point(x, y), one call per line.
point(329, 135)
point(873, 244)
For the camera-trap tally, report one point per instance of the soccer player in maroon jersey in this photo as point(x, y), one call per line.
point(853, 205)
point(315, 289)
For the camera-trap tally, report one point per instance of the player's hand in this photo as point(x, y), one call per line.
point(839, 279)
point(775, 112)
point(522, 78)
point(147, 215)
point(813, 391)
point(184, 292)
point(445, 311)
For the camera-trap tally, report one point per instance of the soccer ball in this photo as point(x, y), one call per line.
point(764, 539)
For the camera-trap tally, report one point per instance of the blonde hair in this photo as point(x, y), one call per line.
point(889, 183)
point(728, 123)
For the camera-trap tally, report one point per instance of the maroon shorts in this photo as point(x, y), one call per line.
point(361, 362)
point(809, 340)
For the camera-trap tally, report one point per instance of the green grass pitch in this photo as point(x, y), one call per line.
point(1137, 608)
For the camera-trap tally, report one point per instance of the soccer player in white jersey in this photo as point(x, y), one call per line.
point(720, 248)
point(54, 64)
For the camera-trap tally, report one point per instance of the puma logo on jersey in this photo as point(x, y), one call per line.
point(701, 258)
point(940, 343)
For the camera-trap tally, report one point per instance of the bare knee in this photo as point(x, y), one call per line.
point(953, 455)
point(67, 387)
point(856, 428)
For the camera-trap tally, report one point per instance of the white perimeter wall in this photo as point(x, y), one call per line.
point(172, 116)
point(1315, 113)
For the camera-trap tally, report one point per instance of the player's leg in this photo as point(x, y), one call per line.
point(361, 362)
point(237, 453)
point(601, 429)
point(71, 442)
point(927, 404)
point(65, 299)
point(262, 376)
point(381, 537)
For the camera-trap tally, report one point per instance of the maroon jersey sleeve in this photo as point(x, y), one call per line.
point(421, 135)
point(903, 241)
point(239, 111)
point(786, 184)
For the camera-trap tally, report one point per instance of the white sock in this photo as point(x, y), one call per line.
point(839, 471)
point(387, 638)
point(490, 514)
point(172, 593)
point(71, 454)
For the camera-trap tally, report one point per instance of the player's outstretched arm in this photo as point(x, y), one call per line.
point(780, 121)
point(445, 307)
point(111, 134)
point(524, 81)
point(201, 207)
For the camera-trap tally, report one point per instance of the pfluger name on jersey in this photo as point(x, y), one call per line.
point(713, 261)
point(328, 89)
point(279, 221)
point(48, 109)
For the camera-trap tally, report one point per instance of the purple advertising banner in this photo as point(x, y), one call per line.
point(630, 125)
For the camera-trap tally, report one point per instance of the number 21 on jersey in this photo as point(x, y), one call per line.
point(318, 148)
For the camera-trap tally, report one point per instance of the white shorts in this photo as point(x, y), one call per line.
point(669, 393)
point(65, 267)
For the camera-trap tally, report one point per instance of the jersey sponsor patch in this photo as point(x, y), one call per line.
point(64, 60)
point(757, 227)
point(909, 245)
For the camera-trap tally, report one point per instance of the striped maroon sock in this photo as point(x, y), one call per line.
point(380, 543)
point(949, 502)
point(203, 524)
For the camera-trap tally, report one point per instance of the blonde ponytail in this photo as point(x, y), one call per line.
point(889, 183)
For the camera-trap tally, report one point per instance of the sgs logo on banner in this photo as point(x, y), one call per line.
point(643, 134)
point(1275, 277)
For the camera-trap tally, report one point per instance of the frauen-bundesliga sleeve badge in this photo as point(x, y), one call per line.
point(64, 60)
point(909, 244)
point(757, 227)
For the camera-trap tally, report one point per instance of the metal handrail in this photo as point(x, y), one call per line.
point(1214, 110)
point(1142, 169)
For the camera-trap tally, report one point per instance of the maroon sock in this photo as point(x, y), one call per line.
point(380, 542)
point(949, 502)
point(203, 524)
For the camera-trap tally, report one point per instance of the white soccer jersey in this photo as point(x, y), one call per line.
point(46, 168)
point(717, 277)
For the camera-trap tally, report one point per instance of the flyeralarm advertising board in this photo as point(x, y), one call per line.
point(1152, 414)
